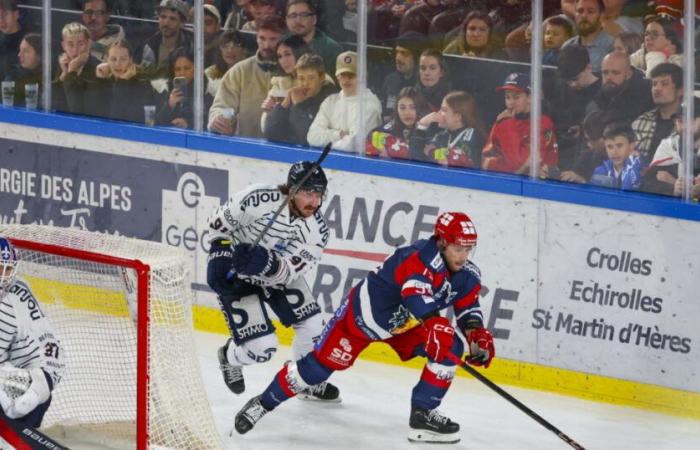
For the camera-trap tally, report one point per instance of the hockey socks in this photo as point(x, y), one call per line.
point(296, 378)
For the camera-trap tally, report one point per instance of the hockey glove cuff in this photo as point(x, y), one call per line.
point(440, 337)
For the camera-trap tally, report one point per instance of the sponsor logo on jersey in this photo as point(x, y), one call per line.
point(255, 198)
point(346, 345)
point(437, 262)
point(402, 320)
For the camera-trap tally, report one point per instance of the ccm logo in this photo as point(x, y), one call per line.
point(340, 355)
point(446, 328)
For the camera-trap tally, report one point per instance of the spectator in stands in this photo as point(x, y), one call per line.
point(96, 15)
point(508, 146)
point(667, 164)
point(406, 55)
point(654, 125)
point(288, 52)
point(433, 78)
point(625, 93)
point(231, 49)
point(155, 53)
point(590, 31)
point(661, 44)
point(615, 21)
point(511, 19)
point(627, 42)
point(591, 153)
point(290, 120)
point(212, 31)
point(462, 134)
point(576, 87)
point(76, 90)
point(557, 30)
point(621, 169)
point(418, 18)
point(568, 8)
point(124, 90)
point(246, 85)
point(447, 23)
point(393, 139)
point(176, 109)
point(475, 38)
point(301, 21)
point(238, 15)
point(338, 118)
point(11, 34)
point(258, 10)
point(28, 70)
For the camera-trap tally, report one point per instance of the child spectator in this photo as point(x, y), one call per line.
point(337, 120)
point(231, 49)
point(433, 78)
point(508, 146)
point(476, 38)
point(290, 120)
point(124, 90)
point(557, 30)
point(462, 137)
point(392, 140)
point(76, 90)
point(622, 168)
point(591, 153)
point(661, 44)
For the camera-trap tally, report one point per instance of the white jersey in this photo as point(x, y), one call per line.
point(27, 339)
point(298, 241)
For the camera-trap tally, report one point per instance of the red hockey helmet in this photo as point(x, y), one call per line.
point(456, 228)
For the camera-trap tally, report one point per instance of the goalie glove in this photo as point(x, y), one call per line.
point(440, 337)
point(481, 348)
point(22, 390)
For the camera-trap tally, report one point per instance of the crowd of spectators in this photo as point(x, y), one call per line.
point(285, 70)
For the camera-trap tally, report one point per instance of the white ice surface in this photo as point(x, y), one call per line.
point(376, 402)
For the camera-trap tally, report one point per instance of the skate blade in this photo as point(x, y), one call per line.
point(311, 398)
point(430, 437)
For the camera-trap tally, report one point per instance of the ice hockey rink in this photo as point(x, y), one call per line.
point(376, 403)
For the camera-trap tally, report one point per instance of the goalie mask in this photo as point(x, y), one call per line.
point(8, 266)
point(316, 182)
point(456, 228)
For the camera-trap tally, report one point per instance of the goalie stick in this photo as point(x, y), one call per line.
point(22, 437)
point(292, 191)
point(539, 419)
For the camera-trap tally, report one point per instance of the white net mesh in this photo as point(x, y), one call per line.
point(93, 309)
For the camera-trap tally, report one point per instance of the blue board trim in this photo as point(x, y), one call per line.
point(412, 171)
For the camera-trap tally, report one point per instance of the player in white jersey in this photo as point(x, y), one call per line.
point(247, 277)
point(31, 357)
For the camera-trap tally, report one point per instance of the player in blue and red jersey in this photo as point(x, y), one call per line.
point(400, 304)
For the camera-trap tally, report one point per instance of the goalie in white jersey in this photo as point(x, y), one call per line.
point(247, 277)
point(31, 357)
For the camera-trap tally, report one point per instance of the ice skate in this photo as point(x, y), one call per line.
point(322, 392)
point(429, 426)
point(233, 375)
point(249, 415)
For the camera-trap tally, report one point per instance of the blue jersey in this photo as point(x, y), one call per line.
point(412, 283)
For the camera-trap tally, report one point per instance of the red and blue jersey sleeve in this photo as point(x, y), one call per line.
point(417, 275)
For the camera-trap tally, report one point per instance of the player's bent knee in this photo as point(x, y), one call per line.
point(312, 370)
point(261, 349)
point(457, 349)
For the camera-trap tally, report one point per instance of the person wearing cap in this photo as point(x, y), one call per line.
point(590, 31)
point(406, 53)
point(96, 15)
point(508, 145)
point(290, 120)
point(338, 117)
point(245, 86)
point(11, 34)
point(153, 55)
point(212, 30)
point(576, 86)
point(301, 21)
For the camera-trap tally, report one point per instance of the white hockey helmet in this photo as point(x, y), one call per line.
point(8, 265)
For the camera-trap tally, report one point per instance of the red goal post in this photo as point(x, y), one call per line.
point(122, 310)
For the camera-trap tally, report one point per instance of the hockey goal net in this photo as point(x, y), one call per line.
point(122, 310)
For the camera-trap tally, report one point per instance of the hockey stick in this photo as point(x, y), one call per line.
point(476, 374)
point(22, 437)
point(292, 192)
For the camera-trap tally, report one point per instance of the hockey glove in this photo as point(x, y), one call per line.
point(18, 405)
point(440, 338)
point(219, 265)
point(254, 260)
point(481, 349)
